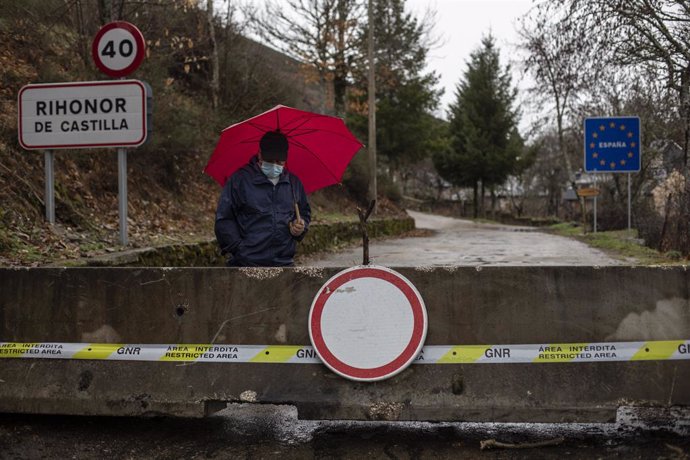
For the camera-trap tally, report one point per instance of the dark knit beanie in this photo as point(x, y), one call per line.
point(274, 146)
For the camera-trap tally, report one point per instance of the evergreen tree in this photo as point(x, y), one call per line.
point(485, 141)
point(406, 96)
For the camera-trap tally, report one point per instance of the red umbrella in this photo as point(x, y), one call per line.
point(320, 146)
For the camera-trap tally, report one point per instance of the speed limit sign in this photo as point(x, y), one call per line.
point(118, 48)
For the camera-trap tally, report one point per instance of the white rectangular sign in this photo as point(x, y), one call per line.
point(82, 114)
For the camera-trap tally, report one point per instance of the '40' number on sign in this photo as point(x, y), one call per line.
point(125, 48)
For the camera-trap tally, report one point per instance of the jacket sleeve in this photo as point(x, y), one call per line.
point(227, 230)
point(304, 209)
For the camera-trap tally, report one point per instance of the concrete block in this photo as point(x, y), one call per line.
point(466, 305)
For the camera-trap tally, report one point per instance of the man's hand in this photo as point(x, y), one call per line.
point(296, 227)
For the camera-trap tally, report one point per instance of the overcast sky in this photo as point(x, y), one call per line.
point(460, 25)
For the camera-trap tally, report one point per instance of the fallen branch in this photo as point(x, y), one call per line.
point(492, 443)
point(363, 216)
point(677, 450)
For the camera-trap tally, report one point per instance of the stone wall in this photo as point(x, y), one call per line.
point(320, 237)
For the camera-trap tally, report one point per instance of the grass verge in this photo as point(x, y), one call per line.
point(620, 244)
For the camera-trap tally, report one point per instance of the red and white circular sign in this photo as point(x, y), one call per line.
point(368, 323)
point(118, 48)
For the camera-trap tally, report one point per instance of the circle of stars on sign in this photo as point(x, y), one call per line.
point(602, 161)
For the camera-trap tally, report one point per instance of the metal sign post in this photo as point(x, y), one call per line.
point(612, 145)
point(95, 114)
point(595, 205)
point(118, 49)
point(49, 156)
point(122, 193)
point(629, 204)
point(584, 193)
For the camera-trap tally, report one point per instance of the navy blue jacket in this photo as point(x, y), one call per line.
point(253, 215)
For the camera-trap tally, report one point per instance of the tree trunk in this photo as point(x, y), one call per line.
point(561, 143)
point(684, 199)
point(476, 203)
point(215, 74)
point(104, 11)
point(340, 76)
point(83, 40)
point(685, 114)
point(481, 201)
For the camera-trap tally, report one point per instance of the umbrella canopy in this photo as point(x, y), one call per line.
point(319, 146)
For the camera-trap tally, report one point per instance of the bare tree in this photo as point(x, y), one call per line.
point(557, 58)
point(322, 33)
point(215, 75)
point(641, 32)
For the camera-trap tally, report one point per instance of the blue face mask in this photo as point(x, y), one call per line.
point(271, 170)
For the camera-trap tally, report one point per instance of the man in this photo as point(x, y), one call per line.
point(263, 210)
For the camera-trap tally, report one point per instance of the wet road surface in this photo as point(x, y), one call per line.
point(464, 242)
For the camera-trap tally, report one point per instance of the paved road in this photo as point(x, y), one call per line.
point(463, 242)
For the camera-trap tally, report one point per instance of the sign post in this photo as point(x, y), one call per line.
point(118, 49)
point(595, 214)
point(122, 193)
point(49, 157)
point(584, 193)
point(629, 194)
point(94, 114)
point(612, 145)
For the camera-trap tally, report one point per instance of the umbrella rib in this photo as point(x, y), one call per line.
point(299, 144)
point(334, 133)
point(263, 128)
point(306, 119)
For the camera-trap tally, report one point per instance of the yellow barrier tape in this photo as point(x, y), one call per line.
point(431, 354)
point(185, 352)
point(658, 350)
point(561, 352)
point(15, 350)
point(276, 354)
point(464, 354)
point(97, 351)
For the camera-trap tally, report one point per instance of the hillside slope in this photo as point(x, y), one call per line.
point(170, 200)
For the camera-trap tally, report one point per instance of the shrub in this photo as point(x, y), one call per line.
point(386, 187)
point(674, 255)
point(356, 178)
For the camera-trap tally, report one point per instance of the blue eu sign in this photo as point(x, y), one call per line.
point(612, 144)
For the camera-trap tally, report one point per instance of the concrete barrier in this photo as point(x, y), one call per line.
point(493, 305)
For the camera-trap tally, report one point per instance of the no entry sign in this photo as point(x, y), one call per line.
point(118, 48)
point(368, 323)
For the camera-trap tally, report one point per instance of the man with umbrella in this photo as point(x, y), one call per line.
point(263, 210)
